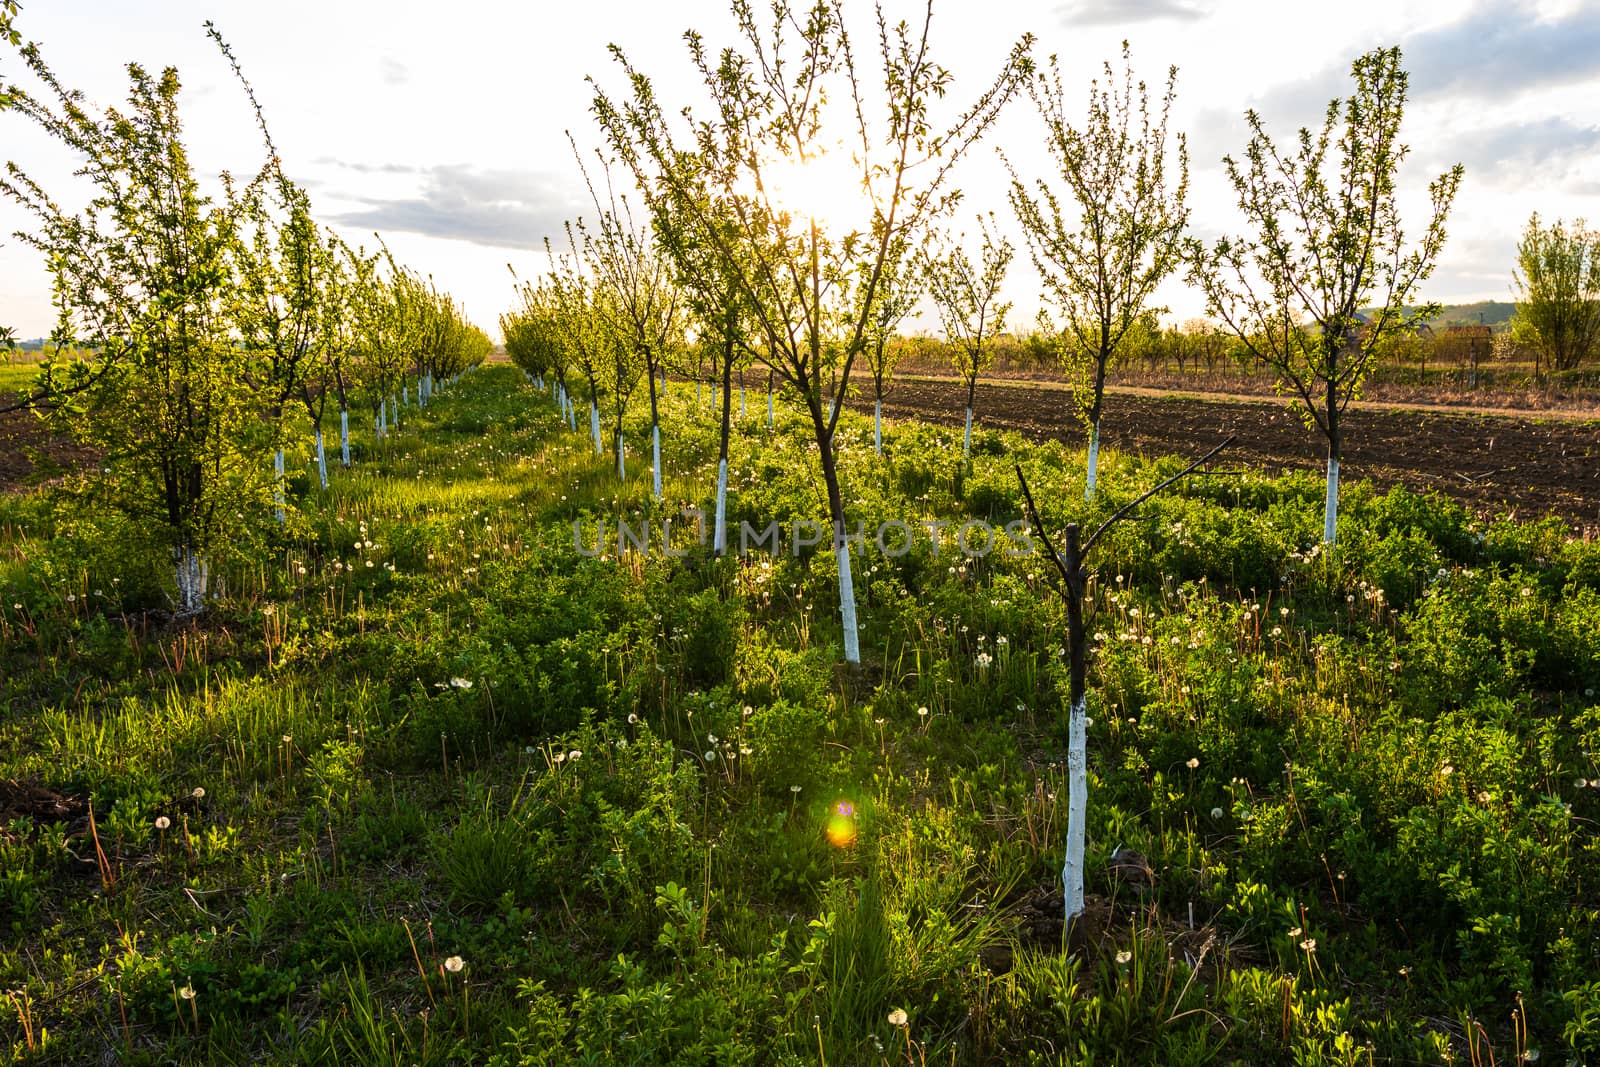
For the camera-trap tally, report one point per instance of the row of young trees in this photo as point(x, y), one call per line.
point(720, 263)
point(212, 322)
point(764, 279)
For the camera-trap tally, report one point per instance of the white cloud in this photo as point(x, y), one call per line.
point(1121, 12)
point(497, 208)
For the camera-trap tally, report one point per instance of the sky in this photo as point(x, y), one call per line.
point(444, 128)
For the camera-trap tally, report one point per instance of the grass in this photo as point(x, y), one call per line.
point(428, 786)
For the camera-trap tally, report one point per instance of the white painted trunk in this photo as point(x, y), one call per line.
point(697, 394)
point(1077, 803)
point(847, 603)
point(719, 536)
point(1094, 461)
point(655, 458)
point(1330, 509)
point(277, 484)
point(769, 411)
point(622, 453)
point(594, 427)
point(383, 417)
point(877, 427)
point(322, 460)
point(741, 402)
point(405, 395)
point(190, 571)
point(344, 437)
point(966, 438)
point(394, 411)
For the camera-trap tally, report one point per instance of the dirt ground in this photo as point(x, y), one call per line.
point(29, 454)
point(1500, 463)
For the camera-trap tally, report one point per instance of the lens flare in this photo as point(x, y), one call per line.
point(841, 827)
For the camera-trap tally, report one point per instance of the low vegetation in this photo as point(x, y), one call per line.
point(432, 786)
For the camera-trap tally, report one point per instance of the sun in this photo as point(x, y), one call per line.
point(824, 187)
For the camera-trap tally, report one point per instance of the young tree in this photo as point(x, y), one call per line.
point(643, 304)
point(621, 365)
point(390, 321)
point(899, 292)
point(1070, 562)
point(582, 332)
point(359, 328)
point(1326, 245)
point(1558, 292)
point(535, 343)
point(281, 265)
point(325, 374)
point(1102, 271)
point(967, 296)
point(804, 285)
point(143, 278)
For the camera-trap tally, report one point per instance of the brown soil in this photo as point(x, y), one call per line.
point(30, 453)
point(1499, 463)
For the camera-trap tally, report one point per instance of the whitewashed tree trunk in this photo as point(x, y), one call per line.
point(1094, 461)
point(697, 396)
point(394, 411)
point(655, 458)
point(1330, 509)
point(190, 571)
point(383, 417)
point(1077, 805)
point(719, 536)
point(622, 452)
point(877, 427)
point(344, 437)
point(741, 402)
point(405, 394)
point(769, 410)
point(594, 427)
point(966, 438)
point(322, 460)
point(277, 484)
point(847, 601)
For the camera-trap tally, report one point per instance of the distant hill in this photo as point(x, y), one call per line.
point(1496, 313)
point(1492, 313)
